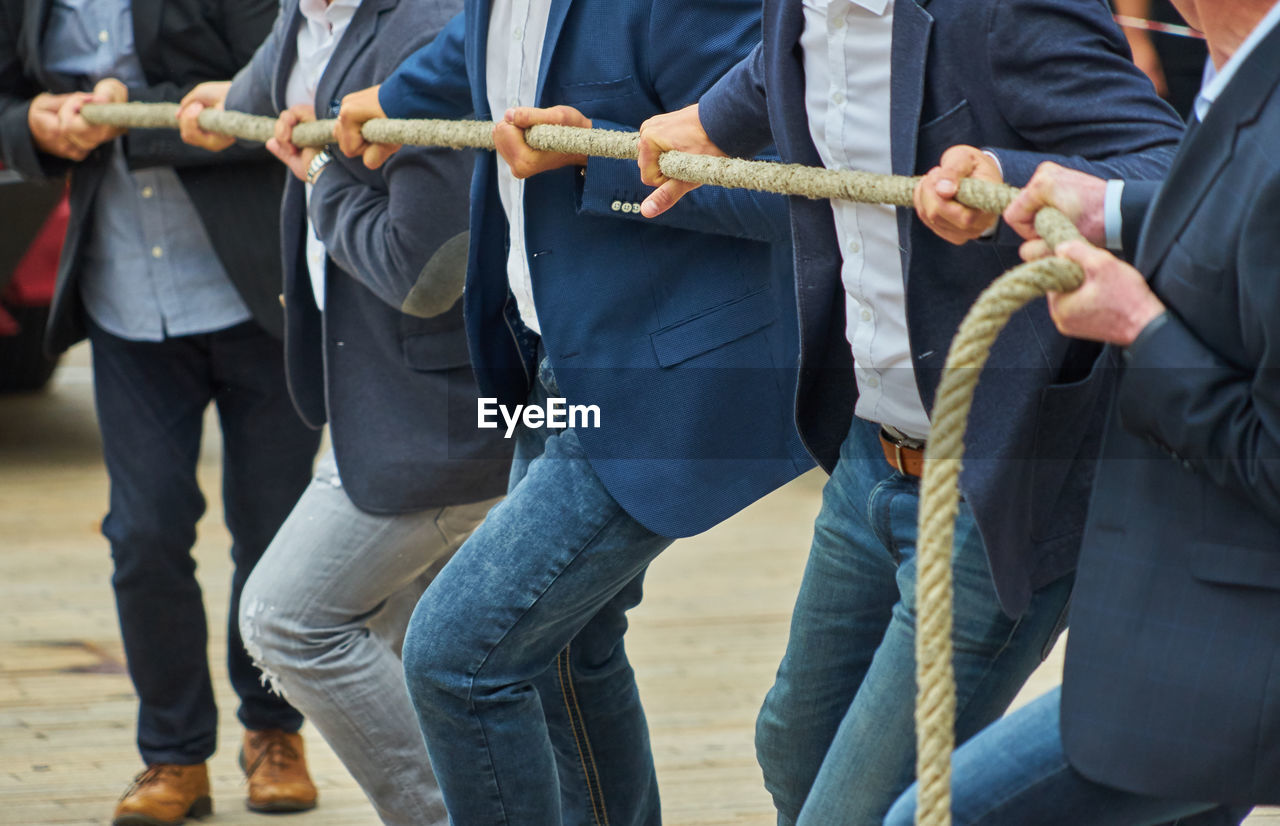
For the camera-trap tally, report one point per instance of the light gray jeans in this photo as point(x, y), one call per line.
point(323, 615)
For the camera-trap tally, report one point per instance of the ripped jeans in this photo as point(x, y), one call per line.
point(324, 614)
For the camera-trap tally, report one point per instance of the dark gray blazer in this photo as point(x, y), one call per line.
point(180, 43)
point(397, 389)
point(1172, 681)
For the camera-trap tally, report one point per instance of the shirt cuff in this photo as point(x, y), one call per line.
point(1111, 216)
point(990, 233)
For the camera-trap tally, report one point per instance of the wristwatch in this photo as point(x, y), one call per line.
point(317, 165)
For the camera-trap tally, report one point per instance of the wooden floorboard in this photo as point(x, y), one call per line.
point(704, 643)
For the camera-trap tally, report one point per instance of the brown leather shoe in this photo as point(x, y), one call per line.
point(276, 769)
point(164, 795)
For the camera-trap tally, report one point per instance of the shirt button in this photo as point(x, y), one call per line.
point(103, 36)
point(873, 382)
point(147, 192)
point(837, 22)
point(517, 33)
point(512, 103)
point(157, 252)
point(616, 206)
point(866, 315)
point(854, 247)
point(837, 98)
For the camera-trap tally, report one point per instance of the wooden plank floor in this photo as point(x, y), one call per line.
point(704, 643)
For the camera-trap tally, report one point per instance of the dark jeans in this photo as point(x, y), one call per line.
point(151, 399)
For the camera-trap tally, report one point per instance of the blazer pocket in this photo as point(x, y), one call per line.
point(1060, 453)
point(956, 125)
point(714, 328)
point(1233, 565)
point(596, 90)
point(439, 350)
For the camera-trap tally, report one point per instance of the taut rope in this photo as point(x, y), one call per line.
point(940, 488)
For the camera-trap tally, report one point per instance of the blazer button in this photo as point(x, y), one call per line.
point(281, 297)
point(615, 206)
point(626, 208)
point(635, 207)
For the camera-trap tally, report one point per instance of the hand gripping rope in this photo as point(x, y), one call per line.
point(940, 492)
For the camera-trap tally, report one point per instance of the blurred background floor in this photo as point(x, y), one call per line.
point(704, 643)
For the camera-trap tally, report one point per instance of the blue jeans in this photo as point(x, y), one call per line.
point(1015, 773)
point(514, 657)
point(836, 735)
point(151, 399)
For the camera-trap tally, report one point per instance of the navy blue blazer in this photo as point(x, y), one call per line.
point(1032, 80)
point(682, 330)
point(1174, 657)
point(397, 390)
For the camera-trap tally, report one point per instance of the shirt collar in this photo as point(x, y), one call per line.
point(1217, 80)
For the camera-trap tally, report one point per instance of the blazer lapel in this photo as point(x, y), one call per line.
point(912, 27)
point(1205, 151)
point(555, 22)
point(288, 56)
point(477, 23)
point(35, 16)
point(146, 26)
point(361, 31)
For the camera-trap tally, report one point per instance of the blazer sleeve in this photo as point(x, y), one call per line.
point(242, 25)
point(735, 111)
point(1220, 419)
point(388, 238)
point(17, 150)
point(433, 81)
point(1135, 201)
point(1061, 76)
point(690, 47)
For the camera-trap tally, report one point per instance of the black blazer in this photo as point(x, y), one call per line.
point(1172, 683)
point(397, 389)
point(180, 43)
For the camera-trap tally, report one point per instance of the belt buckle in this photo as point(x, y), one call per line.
point(900, 440)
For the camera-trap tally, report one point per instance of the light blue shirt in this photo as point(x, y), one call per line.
point(1216, 81)
point(150, 270)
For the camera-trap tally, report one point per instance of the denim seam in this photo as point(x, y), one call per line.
point(577, 724)
point(470, 699)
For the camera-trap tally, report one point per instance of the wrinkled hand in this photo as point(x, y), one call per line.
point(681, 131)
point(935, 195)
point(358, 108)
point(46, 129)
point(524, 160)
point(208, 95)
point(281, 145)
point(1113, 305)
point(1080, 196)
point(77, 131)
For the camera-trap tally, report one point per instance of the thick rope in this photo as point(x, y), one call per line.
point(940, 486)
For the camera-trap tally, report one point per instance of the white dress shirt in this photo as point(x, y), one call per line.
point(322, 28)
point(512, 56)
point(847, 58)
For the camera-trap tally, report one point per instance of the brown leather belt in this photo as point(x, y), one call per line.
point(903, 454)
